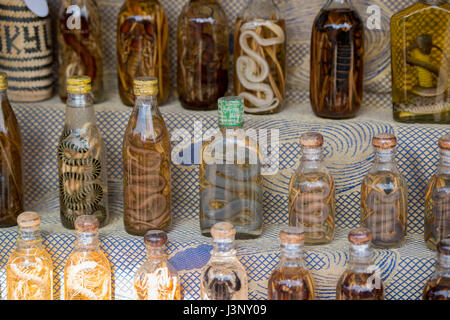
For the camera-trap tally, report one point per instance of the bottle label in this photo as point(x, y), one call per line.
point(231, 111)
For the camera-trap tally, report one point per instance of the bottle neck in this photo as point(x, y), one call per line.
point(87, 241)
point(384, 160)
point(156, 253)
point(312, 155)
point(444, 163)
point(338, 4)
point(433, 2)
point(223, 249)
point(224, 129)
point(3, 95)
point(443, 265)
point(291, 255)
point(79, 111)
point(29, 239)
point(360, 257)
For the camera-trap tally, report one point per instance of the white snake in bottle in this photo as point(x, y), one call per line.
point(253, 69)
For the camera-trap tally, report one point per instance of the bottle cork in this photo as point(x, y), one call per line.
point(311, 140)
point(29, 220)
point(444, 142)
point(292, 235)
point(86, 223)
point(155, 238)
point(384, 141)
point(223, 231)
point(360, 236)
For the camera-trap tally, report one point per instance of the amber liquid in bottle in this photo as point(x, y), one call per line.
point(438, 286)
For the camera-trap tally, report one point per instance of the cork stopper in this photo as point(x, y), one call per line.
point(311, 140)
point(223, 231)
point(3, 81)
point(145, 86)
point(444, 142)
point(79, 84)
point(360, 236)
point(444, 246)
point(29, 220)
point(384, 141)
point(292, 235)
point(155, 238)
point(86, 224)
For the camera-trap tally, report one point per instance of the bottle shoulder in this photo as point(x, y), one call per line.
point(420, 8)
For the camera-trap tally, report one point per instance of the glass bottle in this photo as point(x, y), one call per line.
point(384, 195)
point(311, 193)
point(362, 279)
point(142, 47)
point(337, 61)
point(203, 57)
point(231, 182)
point(146, 163)
point(82, 158)
point(157, 279)
point(438, 286)
point(11, 184)
point(80, 45)
point(290, 280)
point(87, 274)
point(260, 57)
point(420, 55)
point(437, 199)
point(29, 271)
point(223, 277)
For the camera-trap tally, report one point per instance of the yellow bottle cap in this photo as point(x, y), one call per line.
point(145, 86)
point(3, 81)
point(79, 84)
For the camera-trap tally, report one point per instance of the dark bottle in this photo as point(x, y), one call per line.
point(438, 286)
point(337, 49)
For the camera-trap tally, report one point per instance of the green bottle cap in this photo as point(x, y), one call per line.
point(231, 111)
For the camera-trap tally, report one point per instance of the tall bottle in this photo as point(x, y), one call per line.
point(231, 182)
point(384, 196)
point(420, 56)
point(87, 274)
point(142, 47)
point(29, 271)
point(290, 280)
point(82, 158)
point(260, 57)
point(11, 184)
point(157, 279)
point(80, 45)
point(362, 279)
point(311, 193)
point(438, 286)
point(337, 50)
point(223, 277)
point(437, 199)
point(203, 57)
point(146, 163)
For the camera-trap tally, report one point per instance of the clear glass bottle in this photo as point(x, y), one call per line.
point(87, 274)
point(142, 47)
point(362, 279)
point(82, 158)
point(260, 57)
point(223, 277)
point(203, 54)
point(80, 45)
point(230, 175)
point(384, 196)
point(311, 193)
point(438, 286)
point(420, 54)
point(337, 61)
point(157, 279)
point(146, 163)
point(290, 280)
point(11, 184)
point(29, 271)
point(437, 199)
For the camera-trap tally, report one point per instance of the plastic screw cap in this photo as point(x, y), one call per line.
point(360, 236)
point(444, 142)
point(223, 231)
point(384, 141)
point(292, 235)
point(86, 223)
point(311, 140)
point(155, 238)
point(29, 220)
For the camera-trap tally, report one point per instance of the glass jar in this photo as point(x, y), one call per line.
point(438, 286)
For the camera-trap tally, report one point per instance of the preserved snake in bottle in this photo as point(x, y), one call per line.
point(29, 271)
point(384, 195)
point(82, 159)
point(142, 47)
point(203, 58)
point(311, 193)
point(337, 50)
point(260, 57)
point(80, 45)
point(438, 286)
point(11, 195)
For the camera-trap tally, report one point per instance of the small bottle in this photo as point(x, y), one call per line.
point(223, 277)
point(290, 280)
point(146, 163)
point(29, 271)
point(384, 195)
point(87, 274)
point(311, 193)
point(437, 199)
point(82, 158)
point(230, 175)
point(11, 184)
point(361, 280)
point(157, 279)
point(438, 286)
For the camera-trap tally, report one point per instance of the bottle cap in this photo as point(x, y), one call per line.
point(155, 238)
point(384, 141)
point(223, 231)
point(292, 235)
point(3, 81)
point(444, 142)
point(311, 140)
point(443, 246)
point(87, 224)
point(29, 220)
point(145, 86)
point(79, 84)
point(360, 236)
point(231, 111)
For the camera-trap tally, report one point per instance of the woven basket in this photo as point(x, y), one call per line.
point(26, 53)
